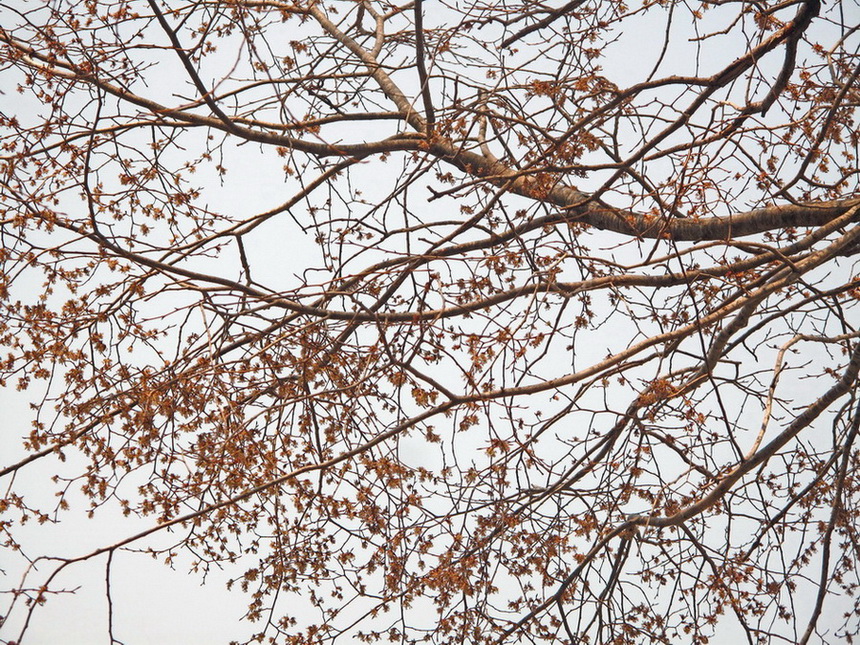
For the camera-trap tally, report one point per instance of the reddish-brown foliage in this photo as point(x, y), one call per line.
point(445, 322)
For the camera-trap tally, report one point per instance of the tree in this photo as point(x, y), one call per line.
point(480, 322)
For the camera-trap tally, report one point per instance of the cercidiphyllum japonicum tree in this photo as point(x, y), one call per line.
point(459, 322)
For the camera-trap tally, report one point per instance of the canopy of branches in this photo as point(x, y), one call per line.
point(480, 321)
